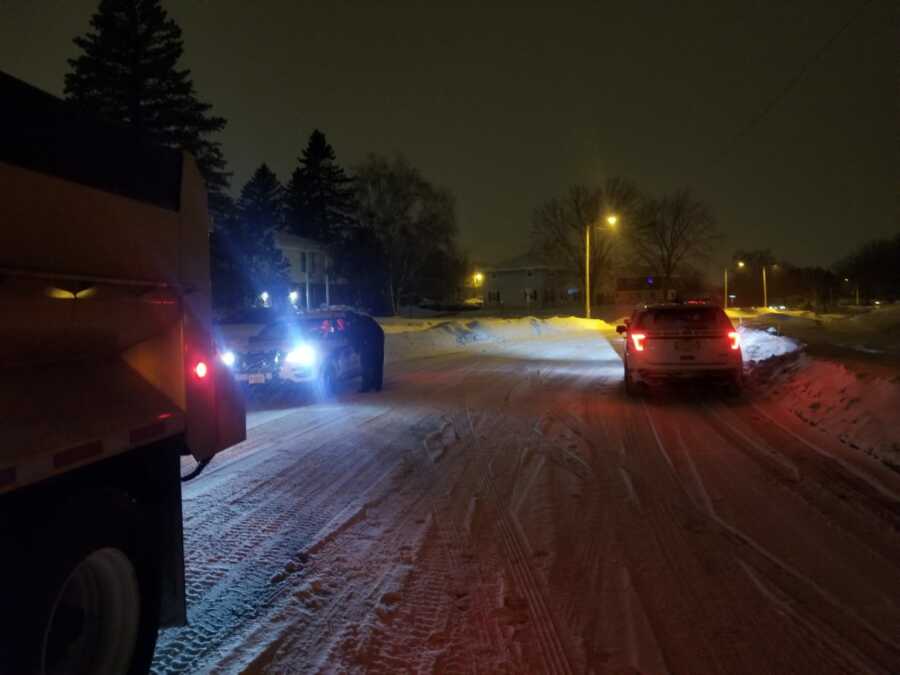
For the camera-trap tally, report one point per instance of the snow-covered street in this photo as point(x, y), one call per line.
point(505, 508)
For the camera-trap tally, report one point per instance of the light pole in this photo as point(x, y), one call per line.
point(611, 220)
point(741, 265)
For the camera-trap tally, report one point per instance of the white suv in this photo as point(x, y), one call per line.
point(681, 341)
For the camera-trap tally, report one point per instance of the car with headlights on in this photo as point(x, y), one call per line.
point(681, 341)
point(309, 349)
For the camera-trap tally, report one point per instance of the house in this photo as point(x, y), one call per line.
point(645, 290)
point(528, 282)
point(310, 267)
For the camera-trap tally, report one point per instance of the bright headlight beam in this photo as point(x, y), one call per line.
point(228, 358)
point(302, 355)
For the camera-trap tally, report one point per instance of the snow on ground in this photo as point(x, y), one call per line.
point(858, 406)
point(410, 338)
point(759, 345)
point(873, 330)
point(846, 384)
point(503, 507)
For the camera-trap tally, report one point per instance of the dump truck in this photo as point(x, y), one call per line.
point(108, 378)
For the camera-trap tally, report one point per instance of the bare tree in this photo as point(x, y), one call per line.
point(671, 232)
point(560, 224)
point(408, 217)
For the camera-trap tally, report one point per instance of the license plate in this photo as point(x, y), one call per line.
point(256, 378)
point(687, 345)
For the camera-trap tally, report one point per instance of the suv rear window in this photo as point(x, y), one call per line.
point(682, 318)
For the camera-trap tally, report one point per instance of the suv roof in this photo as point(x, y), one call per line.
point(689, 305)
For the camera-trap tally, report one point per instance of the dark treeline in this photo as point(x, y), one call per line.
point(869, 274)
point(631, 232)
point(389, 233)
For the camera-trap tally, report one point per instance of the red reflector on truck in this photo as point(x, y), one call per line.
point(77, 454)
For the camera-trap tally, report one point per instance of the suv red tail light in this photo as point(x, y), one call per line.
point(201, 369)
point(637, 340)
point(735, 338)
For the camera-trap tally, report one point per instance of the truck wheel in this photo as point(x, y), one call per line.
point(89, 600)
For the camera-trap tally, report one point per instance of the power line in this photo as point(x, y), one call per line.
point(794, 81)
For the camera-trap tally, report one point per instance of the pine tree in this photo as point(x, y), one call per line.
point(128, 72)
point(246, 259)
point(319, 199)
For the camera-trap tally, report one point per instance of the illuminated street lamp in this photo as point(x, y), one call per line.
point(294, 296)
point(264, 296)
point(740, 264)
point(478, 278)
point(611, 220)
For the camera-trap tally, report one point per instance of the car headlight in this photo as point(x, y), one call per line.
point(301, 355)
point(228, 358)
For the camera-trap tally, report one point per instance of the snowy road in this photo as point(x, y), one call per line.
point(507, 509)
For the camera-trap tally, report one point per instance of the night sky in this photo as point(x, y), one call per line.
point(508, 105)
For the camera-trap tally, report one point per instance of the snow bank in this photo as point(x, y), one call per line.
point(760, 345)
point(410, 339)
point(856, 406)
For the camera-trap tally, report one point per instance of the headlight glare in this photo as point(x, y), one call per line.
point(301, 355)
point(228, 358)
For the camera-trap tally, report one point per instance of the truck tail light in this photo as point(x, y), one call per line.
point(735, 338)
point(201, 369)
point(638, 340)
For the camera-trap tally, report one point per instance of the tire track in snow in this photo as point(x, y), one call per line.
point(833, 628)
point(255, 540)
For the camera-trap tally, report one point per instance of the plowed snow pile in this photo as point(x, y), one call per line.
point(410, 338)
point(851, 404)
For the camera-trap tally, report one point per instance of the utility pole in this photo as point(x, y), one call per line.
point(765, 290)
point(726, 288)
point(327, 292)
point(587, 272)
point(307, 289)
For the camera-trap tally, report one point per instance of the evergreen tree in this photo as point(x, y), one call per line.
point(128, 72)
point(319, 200)
point(246, 260)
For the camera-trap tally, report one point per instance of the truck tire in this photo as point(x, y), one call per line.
point(86, 599)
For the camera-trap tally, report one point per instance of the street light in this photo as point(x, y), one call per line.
point(611, 220)
point(478, 277)
point(741, 265)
